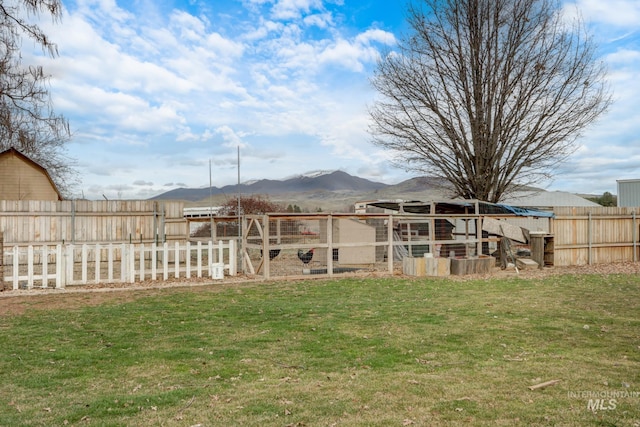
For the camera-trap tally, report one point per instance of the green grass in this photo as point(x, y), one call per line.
point(357, 352)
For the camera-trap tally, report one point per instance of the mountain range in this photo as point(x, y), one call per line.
point(337, 191)
point(330, 181)
point(327, 190)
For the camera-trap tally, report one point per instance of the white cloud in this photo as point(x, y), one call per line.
point(617, 13)
point(352, 56)
point(224, 49)
point(294, 9)
point(186, 27)
point(343, 53)
point(103, 8)
point(376, 35)
point(230, 137)
point(320, 20)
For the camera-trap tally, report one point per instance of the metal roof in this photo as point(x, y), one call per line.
point(547, 199)
point(459, 207)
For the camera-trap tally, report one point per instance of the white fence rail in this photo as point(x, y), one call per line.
point(61, 265)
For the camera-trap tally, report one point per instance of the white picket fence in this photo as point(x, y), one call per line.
point(67, 264)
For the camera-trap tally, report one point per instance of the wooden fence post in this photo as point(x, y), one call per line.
point(233, 260)
point(390, 248)
point(60, 269)
point(2, 287)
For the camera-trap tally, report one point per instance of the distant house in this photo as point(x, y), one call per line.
point(23, 179)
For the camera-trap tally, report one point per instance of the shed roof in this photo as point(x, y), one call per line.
point(459, 207)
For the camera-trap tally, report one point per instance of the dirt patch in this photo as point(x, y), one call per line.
point(603, 269)
point(21, 301)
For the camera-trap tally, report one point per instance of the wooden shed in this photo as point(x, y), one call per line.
point(23, 179)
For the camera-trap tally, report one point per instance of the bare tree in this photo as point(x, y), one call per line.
point(486, 94)
point(27, 119)
point(254, 204)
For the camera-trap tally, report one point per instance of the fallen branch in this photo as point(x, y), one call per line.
point(179, 413)
point(284, 365)
point(543, 385)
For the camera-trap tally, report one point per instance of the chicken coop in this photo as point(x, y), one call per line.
point(311, 244)
point(345, 232)
point(279, 245)
point(296, 244)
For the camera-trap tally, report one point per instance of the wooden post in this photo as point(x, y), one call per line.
point(2, 261)
point(537, 247)
point(633, 234)
point(233, 262)
point(266, 246)
point(589, 240)
point(390, 248)
point(330, 245)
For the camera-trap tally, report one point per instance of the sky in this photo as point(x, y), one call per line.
point(159, 93)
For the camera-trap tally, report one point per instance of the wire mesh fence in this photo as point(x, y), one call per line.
point(281, 245)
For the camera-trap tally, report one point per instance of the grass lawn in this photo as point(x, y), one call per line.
point(348, 352)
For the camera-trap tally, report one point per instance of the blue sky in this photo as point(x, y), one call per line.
point(156, 89)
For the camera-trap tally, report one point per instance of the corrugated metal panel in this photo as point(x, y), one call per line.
point(530, 223)
point(546, 199)
point(628, 192)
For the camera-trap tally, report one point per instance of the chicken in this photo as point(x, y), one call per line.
point(272, 253)
point(305, 257)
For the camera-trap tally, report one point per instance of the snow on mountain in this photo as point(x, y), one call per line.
point(312, 174)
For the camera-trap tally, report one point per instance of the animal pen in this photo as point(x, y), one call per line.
point(53, 244)
point(346, 243)
point(285, 245)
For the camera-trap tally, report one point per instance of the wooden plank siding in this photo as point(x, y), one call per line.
point(23, 179)
point(587, 235)
point(82, 221)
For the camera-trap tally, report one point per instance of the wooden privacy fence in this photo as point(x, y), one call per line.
point(60, 265)
point(587, 235)
point(28, 222)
